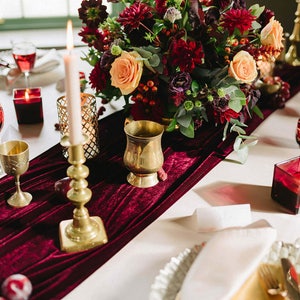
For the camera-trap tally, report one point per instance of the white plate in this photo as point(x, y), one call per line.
point(168, 282)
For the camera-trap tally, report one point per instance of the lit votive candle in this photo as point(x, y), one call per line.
point(28, 105)
point(286, 184)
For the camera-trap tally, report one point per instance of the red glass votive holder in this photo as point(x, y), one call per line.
point(28, 105)
point(286, 184)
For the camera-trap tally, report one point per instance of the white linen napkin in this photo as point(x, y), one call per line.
point(47, 62)
point(227, 261)
point(213, 218)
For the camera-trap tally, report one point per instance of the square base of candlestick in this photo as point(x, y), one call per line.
point(68, 245)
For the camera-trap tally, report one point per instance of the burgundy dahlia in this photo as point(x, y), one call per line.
point(92, 12)
point(132, 17)
point(237, 18)
point(186, 55)
point(98, 78)
point(161, 7)
point(93, 37)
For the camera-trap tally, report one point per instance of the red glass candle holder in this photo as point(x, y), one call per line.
point(28, 105)
point(286, 184)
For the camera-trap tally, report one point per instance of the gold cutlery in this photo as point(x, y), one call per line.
point(271, 281)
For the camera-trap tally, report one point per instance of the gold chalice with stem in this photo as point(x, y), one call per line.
point(14, 157)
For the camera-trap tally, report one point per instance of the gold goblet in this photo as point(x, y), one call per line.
point(143, 155)
point(14, 157)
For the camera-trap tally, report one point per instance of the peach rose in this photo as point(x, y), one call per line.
point(126, 71)
point(272, 34)
point(243, 67)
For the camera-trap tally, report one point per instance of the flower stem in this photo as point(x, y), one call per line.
point(149, 30)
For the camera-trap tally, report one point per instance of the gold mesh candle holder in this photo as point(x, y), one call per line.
point(89, 123)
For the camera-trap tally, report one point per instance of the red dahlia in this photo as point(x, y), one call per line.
point(161, 6)
point(132, 16)
point(92, 37)
point(98, 78)
point(237, 18)
point(186, 55)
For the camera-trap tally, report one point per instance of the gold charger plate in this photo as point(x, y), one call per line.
point(168, 282)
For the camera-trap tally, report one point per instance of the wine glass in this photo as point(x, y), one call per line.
point(24, 54)
point(14, 157)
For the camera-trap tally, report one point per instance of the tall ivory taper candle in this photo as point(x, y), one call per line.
point(72, 90)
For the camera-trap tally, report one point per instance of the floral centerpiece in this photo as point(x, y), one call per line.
point(190, 61)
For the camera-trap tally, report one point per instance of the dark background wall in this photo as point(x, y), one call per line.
point(284, 11)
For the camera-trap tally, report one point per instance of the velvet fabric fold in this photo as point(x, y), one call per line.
point(29, 236)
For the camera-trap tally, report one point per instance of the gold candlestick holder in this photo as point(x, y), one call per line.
point(291, 56)
point(82, 232)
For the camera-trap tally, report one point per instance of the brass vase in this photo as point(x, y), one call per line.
point(143, 155)
point(292, 56)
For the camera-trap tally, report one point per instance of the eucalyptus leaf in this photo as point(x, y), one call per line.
point(253, 143)
point(230, 89)
point(225, 130)
point(184, 120)
point(147, 64)
point(159, 69)
point(157, 27)
point(188, 131)
point(237, 100)
point(243, 154)
point(239, 95)
point(255, 25)
point(237, 129)
point(235, 105)
point(172, 125)
point(237, 122)
point(154, 60)
point(249, 137)
point(256, 10)
point(143, 53)
point(181, 112)
point(257, 111)
point(237, 143)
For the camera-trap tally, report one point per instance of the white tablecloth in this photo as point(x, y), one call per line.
point(130, 273)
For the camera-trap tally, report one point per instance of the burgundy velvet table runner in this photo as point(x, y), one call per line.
point(29, 236)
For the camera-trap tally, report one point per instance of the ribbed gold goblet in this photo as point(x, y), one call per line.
point(143, 155)
point(14, 157)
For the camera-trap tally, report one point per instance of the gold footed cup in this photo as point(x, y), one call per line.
point(143, 155)
point(14, 157)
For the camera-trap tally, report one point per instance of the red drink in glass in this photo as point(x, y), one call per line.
point(24, 54)
point(25, 62)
